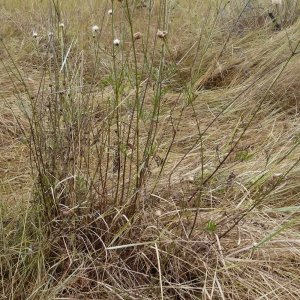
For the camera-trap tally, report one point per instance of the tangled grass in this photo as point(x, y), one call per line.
point(149, 150)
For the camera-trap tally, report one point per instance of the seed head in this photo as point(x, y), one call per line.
point(62, 25)
point(110, 11)
point(34, 34)
point(161, 34)
point(50, 34)
point(137, 36)
point(116, 42)
point(158, 213)
point(191, 179)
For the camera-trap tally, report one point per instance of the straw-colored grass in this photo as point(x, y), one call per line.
point(159, 168)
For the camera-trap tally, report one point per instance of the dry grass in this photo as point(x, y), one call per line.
point(158, 169)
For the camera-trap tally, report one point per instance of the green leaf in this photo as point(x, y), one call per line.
point(211, 226)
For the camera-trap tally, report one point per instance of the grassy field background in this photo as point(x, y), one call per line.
point(149, 149)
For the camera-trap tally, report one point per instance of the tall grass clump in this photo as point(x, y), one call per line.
point(162, 146)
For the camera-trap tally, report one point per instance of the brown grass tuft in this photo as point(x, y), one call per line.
point(158, 169)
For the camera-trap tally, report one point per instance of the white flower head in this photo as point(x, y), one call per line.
point(34, 34)
point(116, 42)
point(276, 2)
point(62, 25)
point(95, 28)
point(110, 11)
point(50, 34)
